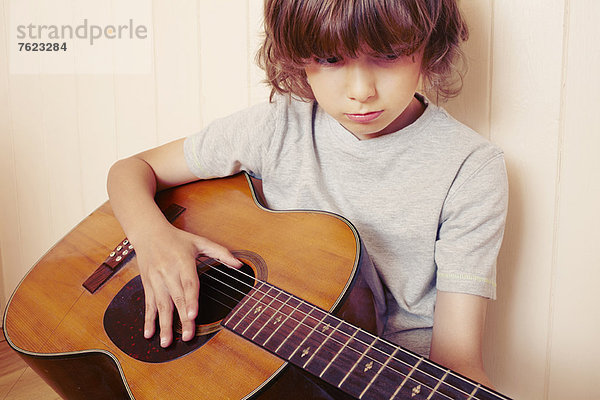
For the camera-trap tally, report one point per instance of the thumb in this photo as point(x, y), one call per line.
point(214, 250)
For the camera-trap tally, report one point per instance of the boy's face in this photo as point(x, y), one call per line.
point(371, 95)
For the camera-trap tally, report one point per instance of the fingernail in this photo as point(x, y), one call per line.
point(237, 264)
point(146, 334)
point(163, 342)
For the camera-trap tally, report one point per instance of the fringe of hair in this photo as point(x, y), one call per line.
point(296, 30)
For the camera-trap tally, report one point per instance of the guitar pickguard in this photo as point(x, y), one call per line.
point(221, 288)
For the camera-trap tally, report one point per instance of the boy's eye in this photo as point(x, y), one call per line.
point(328, 60)
point(389, 57)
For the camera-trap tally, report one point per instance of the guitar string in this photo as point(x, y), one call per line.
point(383, 365)
point(267, 305)
point(358, 340)
point(333, 339)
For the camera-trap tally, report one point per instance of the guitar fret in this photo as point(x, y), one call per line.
point(239, 307)
point(321, 345)
point(383, 366)
point(406, 378)
point(437, 386)
point(268, 323)
point(245, 313)
point(474, 391)
point(262, 309)
point(253, 307)
point(291, 333)
point(339, 352)
point(357, 362)
point(444, 382)
point(484, 393)
point(329, 336)
point(373, 364)
point(306, 350)
point(267, 342)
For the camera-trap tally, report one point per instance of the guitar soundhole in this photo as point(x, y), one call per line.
point(221, 288)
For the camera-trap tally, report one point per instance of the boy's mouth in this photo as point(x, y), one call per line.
point(364, 117)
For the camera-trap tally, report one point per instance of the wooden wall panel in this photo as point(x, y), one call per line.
point(135, 94)
point(135, 114)
point(259, 91)
point(224, 57)
point(573, 356)
point(177, 68)
point(10, 265)
point(58, 96)
point(31, 169)
point(95, 113)
point(3, 296)
point(63, 158)
point(28, 139)
point(96, 125)
point(525, 111)
point(472, 106)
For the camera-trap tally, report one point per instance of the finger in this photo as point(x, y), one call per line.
point(165, 316)
point(191, 286)
point(178, 297)
point(218, 252)
point(149, 312)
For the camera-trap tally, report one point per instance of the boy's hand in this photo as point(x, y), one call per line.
point(166, 255)
point(166, 258)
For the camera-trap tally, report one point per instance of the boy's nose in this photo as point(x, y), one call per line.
point(360, 83)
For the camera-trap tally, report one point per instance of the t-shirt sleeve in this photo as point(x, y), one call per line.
point(234, 143)
point(471, 230)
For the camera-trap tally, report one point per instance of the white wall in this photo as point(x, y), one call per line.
point(533, 88)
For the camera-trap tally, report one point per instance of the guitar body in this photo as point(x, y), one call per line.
point(59, 327)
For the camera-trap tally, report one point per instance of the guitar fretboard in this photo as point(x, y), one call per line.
point(341, 354)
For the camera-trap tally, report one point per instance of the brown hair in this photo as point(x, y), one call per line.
point(297, 30)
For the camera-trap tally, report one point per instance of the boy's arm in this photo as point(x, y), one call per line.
point(457, 342)
point(165, 254)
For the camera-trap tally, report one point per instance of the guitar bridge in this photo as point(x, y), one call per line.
point(121, 254)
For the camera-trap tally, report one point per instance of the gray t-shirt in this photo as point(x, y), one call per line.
point(428, 201)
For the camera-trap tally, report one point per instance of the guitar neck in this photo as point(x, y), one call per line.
point(347, 357)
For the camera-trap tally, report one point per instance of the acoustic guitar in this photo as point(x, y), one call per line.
point(77, 317)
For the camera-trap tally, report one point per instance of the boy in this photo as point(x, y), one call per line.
point(346, 132)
